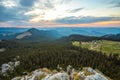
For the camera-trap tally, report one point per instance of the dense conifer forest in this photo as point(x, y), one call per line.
point(50, 54)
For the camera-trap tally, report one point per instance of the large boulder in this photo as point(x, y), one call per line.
point(58, 76)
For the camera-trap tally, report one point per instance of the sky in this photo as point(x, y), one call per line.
point(59, 13)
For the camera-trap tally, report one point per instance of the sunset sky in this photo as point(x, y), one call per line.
point(59, 13)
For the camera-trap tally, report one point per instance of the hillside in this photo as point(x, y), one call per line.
point(35, 35)
point(115, 37)
point(32, 35)
point(77, 37)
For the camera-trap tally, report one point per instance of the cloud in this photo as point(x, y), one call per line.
point(87, 19)
point(11, 14)
point(11, 10)
point(75, 10)
point(17, 10)
point(22, 12)
point(65, 1)
point(115, 3)
point(6, 15)
point(48, 10)
point(27, 3)
point(48, 4)
point(8, 3)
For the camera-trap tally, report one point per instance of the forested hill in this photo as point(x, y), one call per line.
point(32, 35)
point(114, 37)
point(77, 37)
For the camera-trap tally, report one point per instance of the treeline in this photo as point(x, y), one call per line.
point(39, 55)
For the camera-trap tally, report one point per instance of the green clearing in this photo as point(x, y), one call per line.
point(100, 45)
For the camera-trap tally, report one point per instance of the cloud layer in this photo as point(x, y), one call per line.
point(115, 3)
point(27, 3)
point(87, 19)
point(12, 11)
point(42, 12)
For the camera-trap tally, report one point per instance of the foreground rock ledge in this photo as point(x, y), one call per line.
point(87, 73)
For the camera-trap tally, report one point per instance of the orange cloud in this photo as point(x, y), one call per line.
point(52, 24)
point(97, 24)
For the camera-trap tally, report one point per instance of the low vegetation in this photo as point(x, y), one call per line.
point(108, 47)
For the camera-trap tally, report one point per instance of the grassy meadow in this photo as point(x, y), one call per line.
point(100, 45)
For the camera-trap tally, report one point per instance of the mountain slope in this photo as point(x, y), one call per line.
point(37, 35)
point(32, 35)
point(115, 37)
point(77, 37)
point(7, 36)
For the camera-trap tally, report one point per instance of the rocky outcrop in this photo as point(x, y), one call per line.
point(87, 73)
point(2, 49)
point(10, 66)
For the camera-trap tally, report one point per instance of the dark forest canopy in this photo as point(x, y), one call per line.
point(50, 54)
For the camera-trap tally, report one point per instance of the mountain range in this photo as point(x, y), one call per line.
point(66, 31)
point(34, 35)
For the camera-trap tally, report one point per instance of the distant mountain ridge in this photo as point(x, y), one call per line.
point(88, 31)
point(112, 37)
point(66, 31)
point(77, 37)
point(35, 35)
